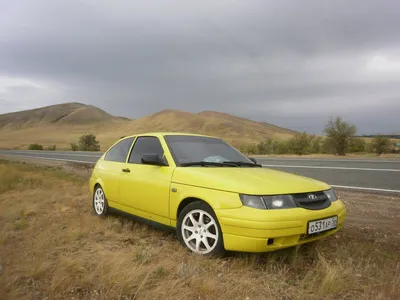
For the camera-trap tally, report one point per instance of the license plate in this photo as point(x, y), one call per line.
point(322, 225)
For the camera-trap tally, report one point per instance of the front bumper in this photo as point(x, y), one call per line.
point(252, 230)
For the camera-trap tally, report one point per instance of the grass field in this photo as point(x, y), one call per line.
point(53, 247)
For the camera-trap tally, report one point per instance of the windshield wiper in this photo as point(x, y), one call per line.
point(209, 163)
point(243, 163)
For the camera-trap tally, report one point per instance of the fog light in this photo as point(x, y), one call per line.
point(270, 242)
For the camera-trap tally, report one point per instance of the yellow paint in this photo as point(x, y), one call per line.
point(146, 191)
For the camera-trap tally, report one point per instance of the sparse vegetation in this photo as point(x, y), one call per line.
point(75, 255)
point(357, 145)
point(52, 148)
point(381, 144)
point(340, 140)
point(63, 124)
point(74, 147)
point(316, 144)
point(301, 143)
point(35, 147)
point(339, 134)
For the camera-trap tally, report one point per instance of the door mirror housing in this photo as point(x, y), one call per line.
point(253, 159)
point(152, 159)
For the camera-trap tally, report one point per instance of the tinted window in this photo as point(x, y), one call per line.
point(145, 144)
point(186, 149)
point(119, 151)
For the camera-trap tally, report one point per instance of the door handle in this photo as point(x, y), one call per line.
point(126, 170)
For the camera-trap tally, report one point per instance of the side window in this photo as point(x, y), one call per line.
point(119, 152)
point(145, 144)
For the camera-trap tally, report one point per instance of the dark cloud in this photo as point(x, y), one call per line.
point(292, 63)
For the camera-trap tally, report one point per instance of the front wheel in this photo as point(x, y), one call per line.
point(198, 229)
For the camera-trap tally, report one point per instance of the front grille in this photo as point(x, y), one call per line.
point(304, 200)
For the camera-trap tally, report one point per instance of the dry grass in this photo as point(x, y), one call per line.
point(53, 247)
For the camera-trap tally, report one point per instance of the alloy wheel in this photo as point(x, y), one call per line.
point(99, 201)
point(199, 231)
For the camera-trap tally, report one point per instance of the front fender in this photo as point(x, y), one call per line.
point(215, 198)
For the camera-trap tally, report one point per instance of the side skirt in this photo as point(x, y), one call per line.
point(142, 220)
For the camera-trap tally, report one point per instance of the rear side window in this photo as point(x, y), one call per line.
point(119, 151)
point(145, 144)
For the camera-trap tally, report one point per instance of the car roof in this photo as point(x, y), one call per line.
point(162, 133)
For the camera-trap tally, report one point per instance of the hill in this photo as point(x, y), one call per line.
point(63, 124)
point(232, 128)
point(67, 113)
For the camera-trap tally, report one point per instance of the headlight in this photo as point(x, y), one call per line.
point(253, 201)
point(268, 202)
point(279, 201)
point(331, 195)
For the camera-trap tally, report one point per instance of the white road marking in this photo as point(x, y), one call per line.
point(364, 188)
point(50, 158)
point(53, 153)
point(331, 160)
point(335, 168)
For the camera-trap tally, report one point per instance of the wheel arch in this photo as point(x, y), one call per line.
point(187, 201)
point(94, 183)
point(97, 183)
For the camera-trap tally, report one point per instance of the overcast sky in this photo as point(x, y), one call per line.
point(290, 63)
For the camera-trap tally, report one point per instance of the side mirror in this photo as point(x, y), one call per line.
point(152, 159)
point(253, 159)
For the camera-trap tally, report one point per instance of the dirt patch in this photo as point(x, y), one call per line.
point(375, 216)
point(53, 247)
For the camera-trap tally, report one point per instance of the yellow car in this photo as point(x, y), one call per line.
point(215, 197)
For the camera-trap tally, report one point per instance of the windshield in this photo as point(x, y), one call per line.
point(187, 149)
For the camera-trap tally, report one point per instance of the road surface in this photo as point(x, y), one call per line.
point(382, 175)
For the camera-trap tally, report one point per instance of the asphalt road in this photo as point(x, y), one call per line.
point(381, 175)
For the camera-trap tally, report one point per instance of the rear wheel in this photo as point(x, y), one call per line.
point(100, 204)
point(199, 230)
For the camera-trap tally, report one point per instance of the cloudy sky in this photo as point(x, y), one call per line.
point(291, 63)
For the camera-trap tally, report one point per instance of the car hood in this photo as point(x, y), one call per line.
point(253, 181)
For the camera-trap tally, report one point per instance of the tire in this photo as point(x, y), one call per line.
point(198, 229)
point(99, 201)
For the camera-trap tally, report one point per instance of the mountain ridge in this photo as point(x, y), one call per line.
point(62, 124)
point(65, 113)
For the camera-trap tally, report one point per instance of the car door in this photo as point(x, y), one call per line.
point(145, 188)
point(110, 168)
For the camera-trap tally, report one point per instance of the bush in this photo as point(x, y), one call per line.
point(88, 142)
point(74, 147)
point(301, 143)
point(357, 145)
point(316, 144)
point(283, 147)
point(381, 144)
point(35, 147)
point(52, 148)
